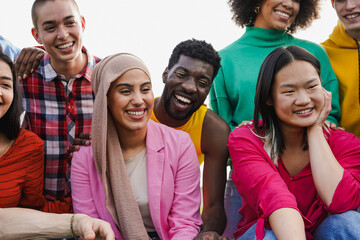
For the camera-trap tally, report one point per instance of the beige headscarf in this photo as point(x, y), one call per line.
point(109, 161)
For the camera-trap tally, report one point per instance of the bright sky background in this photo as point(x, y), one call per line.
point(150, 28)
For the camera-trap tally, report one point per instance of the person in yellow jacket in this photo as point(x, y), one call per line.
point(343, 50)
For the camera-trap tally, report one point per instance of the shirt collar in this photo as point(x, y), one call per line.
point(49, 74)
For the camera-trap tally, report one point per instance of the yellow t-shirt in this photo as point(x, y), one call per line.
point(194, 128)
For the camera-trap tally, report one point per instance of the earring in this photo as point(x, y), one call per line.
point(257, 9)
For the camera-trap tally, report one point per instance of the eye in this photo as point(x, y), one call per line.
point(313, 86)
point(146, 89)
point(125, 91)
point(70, 23)
point(49, 28)
point(204, 82)
point(181, 75)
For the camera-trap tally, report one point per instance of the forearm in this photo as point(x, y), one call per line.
point(214, 219)
point(326, 170)
point(287, 223)
point(22, 223)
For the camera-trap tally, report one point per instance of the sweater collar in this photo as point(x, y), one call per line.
point(340, 37)
point(263, 37)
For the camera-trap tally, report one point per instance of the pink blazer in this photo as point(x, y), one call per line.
point(173, 181)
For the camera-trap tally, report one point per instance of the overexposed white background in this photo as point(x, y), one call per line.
point(150, 28)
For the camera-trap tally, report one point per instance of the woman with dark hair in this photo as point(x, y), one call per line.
point(140, 176)
point(296, 176)
point(21, 151)
point(269, 24)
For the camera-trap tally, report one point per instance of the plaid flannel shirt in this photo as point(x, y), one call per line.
point(58, 111)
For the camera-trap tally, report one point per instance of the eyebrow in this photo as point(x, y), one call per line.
point(53, 21)
point(6, 78)
point(130, 85)
point(293, 85)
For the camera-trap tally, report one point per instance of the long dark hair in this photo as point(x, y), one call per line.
point(273, 63)
point(10, 122)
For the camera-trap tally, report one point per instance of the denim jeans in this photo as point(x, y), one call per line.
point(343, 226)
point(251, 235)
point(339, 227)
point(232, 204)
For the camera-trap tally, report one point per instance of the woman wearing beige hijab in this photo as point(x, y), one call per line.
point(140, 176)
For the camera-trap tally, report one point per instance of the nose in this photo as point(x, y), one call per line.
point(287, 3)
point(350, 4)
point(137, 99)
point(189, 85)
point(302, 98)
point(62, 32)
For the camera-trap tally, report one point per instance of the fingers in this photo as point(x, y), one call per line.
point(28, 61)
point(85, 136)
point(244, 123)
point(74, 148)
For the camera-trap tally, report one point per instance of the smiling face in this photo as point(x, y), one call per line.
point(59, 28)
point(6, 88)
point(348, 12)
point(187, 85)
point(277, 14)
point(297, 95)
point(131, 100)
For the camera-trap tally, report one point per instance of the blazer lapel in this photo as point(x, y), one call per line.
point(155, 169)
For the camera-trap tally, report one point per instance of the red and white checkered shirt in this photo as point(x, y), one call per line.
point(58, 111)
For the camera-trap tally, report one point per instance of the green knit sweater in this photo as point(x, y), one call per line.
point(233, 91)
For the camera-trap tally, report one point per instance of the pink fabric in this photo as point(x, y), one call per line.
point(173, 177)
point(265, 188)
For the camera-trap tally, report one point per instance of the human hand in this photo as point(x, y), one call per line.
point(333, 126)
point(82, 140)
point(325, 110)
point(244, 123)
point(210, 235)
point(89, 228)
point(28, 61)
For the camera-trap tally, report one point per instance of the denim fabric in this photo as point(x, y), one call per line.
point(251, 235)
point(232, 204)
point(343, 226)
point(339, 227)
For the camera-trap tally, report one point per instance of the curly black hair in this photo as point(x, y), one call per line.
point(196, 49)
point(244, 14)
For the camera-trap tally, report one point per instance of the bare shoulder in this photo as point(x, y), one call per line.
point(214, 124)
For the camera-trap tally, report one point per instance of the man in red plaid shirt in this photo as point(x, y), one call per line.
point(58, 97)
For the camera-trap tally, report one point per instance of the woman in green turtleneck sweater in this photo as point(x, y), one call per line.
point(269, 24)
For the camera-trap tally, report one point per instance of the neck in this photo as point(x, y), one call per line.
point(163, 117)
point(132, 142)
point(354, 34)
point(71, 68)
point(293, 137)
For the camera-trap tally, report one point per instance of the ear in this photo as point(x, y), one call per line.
point(82, 22)
point(165, 75)
point(35, 34)
point(269, 102)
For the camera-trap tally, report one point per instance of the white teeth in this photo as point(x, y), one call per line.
point(283, 14)
point(304, 111)
point(183, 99)
point(139, 113)
point(351, 16)
point(64, 46)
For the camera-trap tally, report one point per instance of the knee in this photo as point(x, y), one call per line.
point(339, 226)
